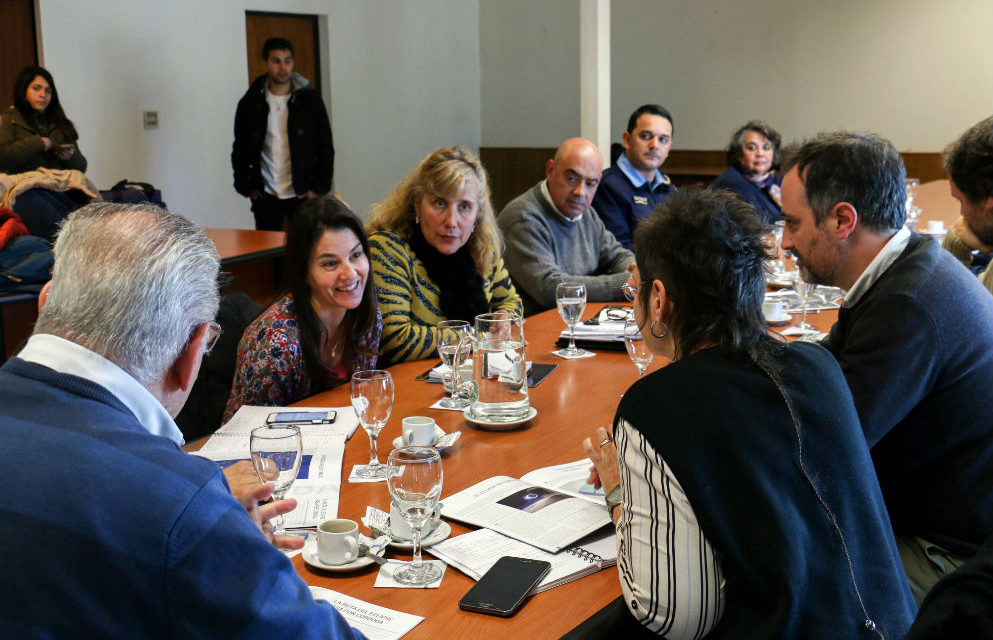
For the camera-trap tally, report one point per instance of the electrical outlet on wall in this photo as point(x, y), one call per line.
point(150, 119)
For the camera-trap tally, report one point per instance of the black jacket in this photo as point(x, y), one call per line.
point(311, 146)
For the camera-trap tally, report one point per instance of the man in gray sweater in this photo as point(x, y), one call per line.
point(552, 233)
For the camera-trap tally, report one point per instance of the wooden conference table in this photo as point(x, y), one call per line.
point(577, 397)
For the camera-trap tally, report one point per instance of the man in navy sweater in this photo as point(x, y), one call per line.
point(109, 529)
point(914, 338)
point(632, 188)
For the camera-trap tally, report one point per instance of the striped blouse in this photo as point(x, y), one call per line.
point(409, 300)
point(670, 574)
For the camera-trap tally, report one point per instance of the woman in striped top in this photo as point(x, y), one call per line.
point(748, 502)
point(436, 254)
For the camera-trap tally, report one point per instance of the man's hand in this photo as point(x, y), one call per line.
point(310, 195)
point(243, 479)
point(255, 195)
point(262, 515)
point(966, 235)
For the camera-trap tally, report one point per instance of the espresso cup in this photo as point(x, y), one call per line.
point(338, 541)
point(773, 309)
point(400, 528)
point(418, 431)
point(935, 226)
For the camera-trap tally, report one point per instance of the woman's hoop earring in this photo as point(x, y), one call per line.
point(665, 330)
point(417, 219)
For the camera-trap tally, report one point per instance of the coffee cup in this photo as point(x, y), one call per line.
point(338, 541)
point(935, 226)
point(773, 309)
point(418, 431)
point(400, 528)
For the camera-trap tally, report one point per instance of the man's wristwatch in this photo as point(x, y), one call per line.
point(613, 498)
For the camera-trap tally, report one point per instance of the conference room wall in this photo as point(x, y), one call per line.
point(916, 71)
point(403, 78)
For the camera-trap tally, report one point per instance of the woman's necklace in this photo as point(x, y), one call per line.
point(334, 343)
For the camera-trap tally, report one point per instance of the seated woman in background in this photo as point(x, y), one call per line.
point(749, 505)
point(753, 156)
point(327, 325)
point(35, 133)
point(436, 254)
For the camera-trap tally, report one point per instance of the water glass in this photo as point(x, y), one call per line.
point(570, 297)
point(414, 478)
point(450, 333)
point(372, 398)
point(637, 349)
point(276, 456)
point(804, 290)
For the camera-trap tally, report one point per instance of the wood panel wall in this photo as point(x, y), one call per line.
point(513, 170)
point(18, 46)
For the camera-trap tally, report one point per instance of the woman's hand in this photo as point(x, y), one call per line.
point(47, 142)
point(65, 152)
point(600, 449)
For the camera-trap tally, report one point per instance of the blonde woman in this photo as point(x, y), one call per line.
point(436, 254)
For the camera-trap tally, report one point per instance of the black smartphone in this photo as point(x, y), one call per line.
point(302, 417)
point(503, 588)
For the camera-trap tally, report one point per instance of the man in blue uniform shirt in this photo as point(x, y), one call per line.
point(110, 530)
point(634, 186)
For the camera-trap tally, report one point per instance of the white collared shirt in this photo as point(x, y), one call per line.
point(548, 198)
point(886, 257)
point(68, 357)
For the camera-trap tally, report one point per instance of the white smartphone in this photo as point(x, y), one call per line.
point(302, 417)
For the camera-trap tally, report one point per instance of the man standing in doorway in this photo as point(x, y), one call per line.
point(282, 151)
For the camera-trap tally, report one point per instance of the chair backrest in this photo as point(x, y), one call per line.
point(202, 413)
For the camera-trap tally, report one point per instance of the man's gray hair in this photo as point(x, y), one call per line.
point(131, 282)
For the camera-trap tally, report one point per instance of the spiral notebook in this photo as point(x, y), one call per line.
point(475, 552)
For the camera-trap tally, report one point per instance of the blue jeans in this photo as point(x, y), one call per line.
point(43, 211)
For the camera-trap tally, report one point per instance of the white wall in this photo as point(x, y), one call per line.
point(404, 79)
point(529, 55)
point(919, 72)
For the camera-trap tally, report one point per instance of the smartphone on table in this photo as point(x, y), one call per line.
point(504, 587)
point(302, 417)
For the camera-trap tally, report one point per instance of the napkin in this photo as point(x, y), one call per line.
point(385, 576)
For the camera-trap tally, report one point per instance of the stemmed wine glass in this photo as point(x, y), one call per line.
point(276, 456)
point(372, 398)
point(775, 243)
point(414, 478)
point(637, 349)
point(570, 297)
point(450, 333)
point(805, 291)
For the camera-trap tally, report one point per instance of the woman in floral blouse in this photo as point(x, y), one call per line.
point(295, 350)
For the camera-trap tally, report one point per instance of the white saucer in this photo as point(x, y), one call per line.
point(438, 433)
point(441, 532)
point(310, 556)
point(780, 321)
point(500, 426)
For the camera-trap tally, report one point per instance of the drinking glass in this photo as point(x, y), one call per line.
point(637, 349)
point(276, 456)
point(450, 333)
point(774, 241)
point(913, 211)
point(372, 398)
point(570, 297)
point(414, 478)
point(805, 290)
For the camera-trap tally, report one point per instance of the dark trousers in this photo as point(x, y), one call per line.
point(43, 211)
point(271, 213)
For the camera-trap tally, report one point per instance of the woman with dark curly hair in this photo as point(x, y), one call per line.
point(753, 160)
point(746, 501)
